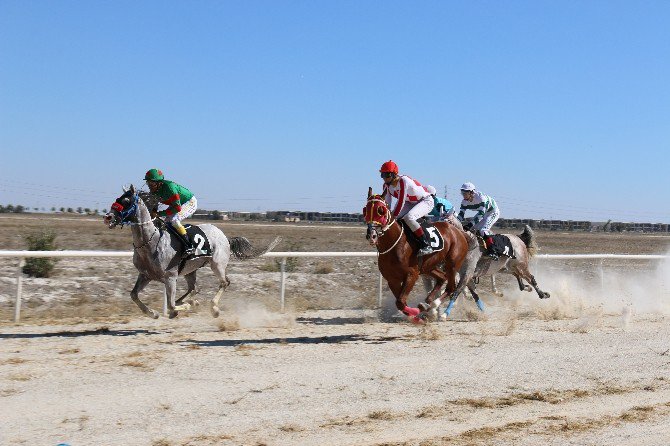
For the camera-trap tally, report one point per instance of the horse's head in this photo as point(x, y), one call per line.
point(377, 216)
point(123, 209)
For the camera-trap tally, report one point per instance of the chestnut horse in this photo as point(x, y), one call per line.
point(398, 262)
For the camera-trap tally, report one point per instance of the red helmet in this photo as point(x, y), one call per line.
point(389, 166)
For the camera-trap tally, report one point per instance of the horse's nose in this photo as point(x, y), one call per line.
point(107, 219)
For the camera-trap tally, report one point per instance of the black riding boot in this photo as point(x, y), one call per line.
point(188, 246)
point(424, 245)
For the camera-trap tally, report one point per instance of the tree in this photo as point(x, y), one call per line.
point(19, 209)
point(53, 209)
point(70, 210)
point(79, 210)
point(62, 209)
point(216, 215)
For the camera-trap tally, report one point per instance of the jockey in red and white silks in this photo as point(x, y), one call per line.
point(413, 201)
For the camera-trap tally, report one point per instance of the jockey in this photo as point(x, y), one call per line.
point(180, 201)
point(441, 210)
point(487, 214)
point(414, 201)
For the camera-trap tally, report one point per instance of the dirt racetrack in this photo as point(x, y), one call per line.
point(589, 366)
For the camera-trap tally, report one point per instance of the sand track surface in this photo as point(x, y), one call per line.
point(589, 366)
point(337, 378)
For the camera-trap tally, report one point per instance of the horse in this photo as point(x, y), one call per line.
point(398, 262)
point(158, 253)
point(477, 265)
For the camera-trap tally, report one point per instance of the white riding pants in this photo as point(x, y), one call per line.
point(487, 221)
point(187, 209)
point(411, 212)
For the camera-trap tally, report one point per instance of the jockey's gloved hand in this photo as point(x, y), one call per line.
point(467, 226)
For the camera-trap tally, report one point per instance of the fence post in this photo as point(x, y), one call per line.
point(602, 276)
point(282, 286)
point(381, 284)
point(19, 290)
point(165, 306)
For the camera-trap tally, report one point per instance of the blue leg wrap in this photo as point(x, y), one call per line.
point(449, 307)
point(480, 304)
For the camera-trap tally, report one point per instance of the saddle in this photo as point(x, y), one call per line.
point(198, 239)
point(435, 237)
point(502, 246)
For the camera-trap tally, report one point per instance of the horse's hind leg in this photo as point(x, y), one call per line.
point(523, 271)
point(192, 289)
point(215, 301)
point(219, 270)
point(493, 286)
point(142, 281)
point(522, 286)
point(475, 296)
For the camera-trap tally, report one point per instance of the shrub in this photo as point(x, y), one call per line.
point(324, 268)
point(40, 241)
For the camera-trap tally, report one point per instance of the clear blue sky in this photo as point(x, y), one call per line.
point(558, 109)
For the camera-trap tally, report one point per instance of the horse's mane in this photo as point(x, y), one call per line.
point(151, 201)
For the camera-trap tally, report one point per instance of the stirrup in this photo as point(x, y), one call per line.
point(425, 251)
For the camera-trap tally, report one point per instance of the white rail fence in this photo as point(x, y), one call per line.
point(22, 255)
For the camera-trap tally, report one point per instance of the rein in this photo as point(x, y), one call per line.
point(145, 243)
point(402, 229)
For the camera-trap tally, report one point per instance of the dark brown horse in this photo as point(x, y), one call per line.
point(398, 261)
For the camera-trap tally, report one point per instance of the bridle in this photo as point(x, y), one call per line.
point(126, 215)
point(381, 230)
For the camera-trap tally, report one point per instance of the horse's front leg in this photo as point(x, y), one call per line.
point(192, 289)
point(170, 292)
point(142, 282)
point(402, 291)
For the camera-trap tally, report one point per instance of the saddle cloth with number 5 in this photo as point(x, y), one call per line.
point(434, 236)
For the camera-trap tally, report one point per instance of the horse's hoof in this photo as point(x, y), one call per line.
point(173, 314)
point(430, 315)
point(215, 312)
point(423, 306)
point(545, 296)
point(499, 294)
point(154, 314)
point(443, 317)
point(416, 320)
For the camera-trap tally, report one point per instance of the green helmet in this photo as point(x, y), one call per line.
point(154, 175)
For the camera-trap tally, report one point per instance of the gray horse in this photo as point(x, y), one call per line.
point(477, 265)
point(158, 253)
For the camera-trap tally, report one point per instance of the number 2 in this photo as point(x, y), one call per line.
point(200, 240)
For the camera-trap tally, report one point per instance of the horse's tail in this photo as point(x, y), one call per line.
point(528, 239)
point(243, 250)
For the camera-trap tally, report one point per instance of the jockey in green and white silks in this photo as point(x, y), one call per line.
point(487, 213)
point(180, 201)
